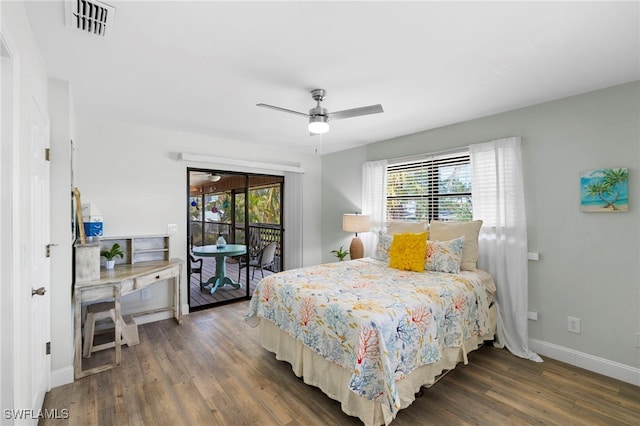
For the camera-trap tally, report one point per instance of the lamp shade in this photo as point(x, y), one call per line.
point(355, 222)
point(318, 124)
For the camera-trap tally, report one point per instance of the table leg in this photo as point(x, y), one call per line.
point(77, 362)
point(177, 304)
point(118, 324)
point(220, 279)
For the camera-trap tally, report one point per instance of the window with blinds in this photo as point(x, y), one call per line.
point(436, 187)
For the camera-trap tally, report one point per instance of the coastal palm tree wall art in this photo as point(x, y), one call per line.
point(604, 190)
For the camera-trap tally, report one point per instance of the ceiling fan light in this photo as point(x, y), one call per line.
point(318, 124)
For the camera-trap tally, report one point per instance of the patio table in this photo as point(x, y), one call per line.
point(220, 278)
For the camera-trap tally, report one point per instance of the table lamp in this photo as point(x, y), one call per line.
point(354, 222)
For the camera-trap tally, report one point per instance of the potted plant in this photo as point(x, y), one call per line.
point(111, 254)
point(340, 254)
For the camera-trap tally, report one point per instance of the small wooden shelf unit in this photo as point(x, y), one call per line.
point(139, 249)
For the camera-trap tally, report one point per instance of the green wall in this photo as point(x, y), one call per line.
point(589, 262)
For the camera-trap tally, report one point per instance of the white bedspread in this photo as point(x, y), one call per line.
point(378, 323)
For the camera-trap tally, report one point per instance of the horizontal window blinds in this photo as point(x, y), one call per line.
point(434, 187)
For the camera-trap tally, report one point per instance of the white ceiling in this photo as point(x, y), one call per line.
point(201, 66)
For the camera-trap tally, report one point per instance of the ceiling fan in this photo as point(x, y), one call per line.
point(201, 177)
point(319, 117)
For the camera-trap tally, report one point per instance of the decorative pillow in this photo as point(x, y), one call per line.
point(445, 231)
point(402, 227)
point(444, 256)
point(383, 246)
point(407, 252)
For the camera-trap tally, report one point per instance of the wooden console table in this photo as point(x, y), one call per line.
point(113, 284)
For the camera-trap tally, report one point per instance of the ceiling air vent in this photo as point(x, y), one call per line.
point(90, 16)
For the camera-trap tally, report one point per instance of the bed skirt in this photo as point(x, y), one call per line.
point(332, 379)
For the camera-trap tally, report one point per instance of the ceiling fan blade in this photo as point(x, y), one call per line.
point(355, 112)
point(283, 109)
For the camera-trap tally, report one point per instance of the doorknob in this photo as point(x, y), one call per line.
point(40, 292)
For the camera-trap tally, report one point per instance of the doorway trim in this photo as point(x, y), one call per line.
point(228, 162)
point(10, 387)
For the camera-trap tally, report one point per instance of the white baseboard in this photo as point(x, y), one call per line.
point(62, 376)
point(596, 364)
point(158, 316)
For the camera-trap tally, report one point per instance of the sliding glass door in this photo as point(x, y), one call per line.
point(246, 211)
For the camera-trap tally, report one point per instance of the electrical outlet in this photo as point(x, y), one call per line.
point(573, 325)
point(172, 228)
point(145, 294)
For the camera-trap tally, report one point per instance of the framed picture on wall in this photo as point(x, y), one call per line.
point(604, 191)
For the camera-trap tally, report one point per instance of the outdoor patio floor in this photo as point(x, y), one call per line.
point(198, 297)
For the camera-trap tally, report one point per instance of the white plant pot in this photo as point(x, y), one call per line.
point(109, 264)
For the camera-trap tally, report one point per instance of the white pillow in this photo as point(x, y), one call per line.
point(445, 231)
point(402, 227)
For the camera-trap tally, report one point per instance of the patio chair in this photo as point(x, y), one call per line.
point(264, 259)
point(195, 267)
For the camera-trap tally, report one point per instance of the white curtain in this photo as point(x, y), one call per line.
point(498, 199)
point(292, 220)
point(374, 194)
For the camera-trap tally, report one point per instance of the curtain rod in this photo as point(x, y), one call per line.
point(443, 152)
point(426, 155)
point(184, 156)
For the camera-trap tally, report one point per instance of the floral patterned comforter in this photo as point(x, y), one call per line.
point(377, 322)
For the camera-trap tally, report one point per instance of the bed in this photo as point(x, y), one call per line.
point(371, 335)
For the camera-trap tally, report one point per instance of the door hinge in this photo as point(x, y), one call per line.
point(47, 154)
point(48, 253)
point(48, 348)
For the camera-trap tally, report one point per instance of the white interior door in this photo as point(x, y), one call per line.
point(39, 277)
point(24, 235)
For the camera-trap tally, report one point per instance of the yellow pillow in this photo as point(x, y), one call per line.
point(407, 252)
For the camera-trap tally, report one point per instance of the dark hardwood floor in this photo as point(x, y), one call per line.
point(211, 370)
